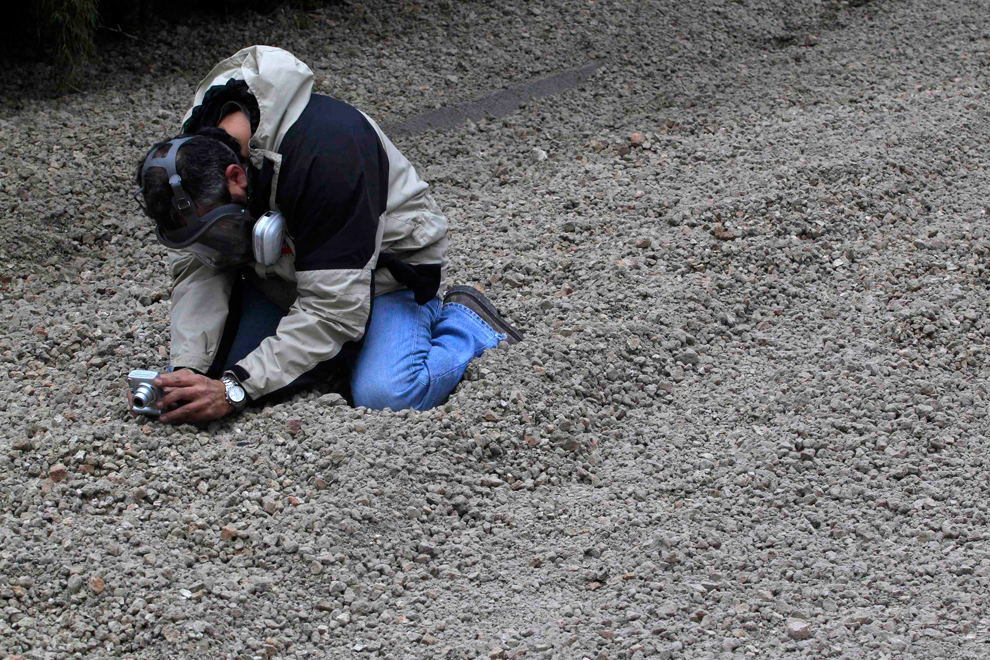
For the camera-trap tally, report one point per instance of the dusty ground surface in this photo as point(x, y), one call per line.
point(750, 416)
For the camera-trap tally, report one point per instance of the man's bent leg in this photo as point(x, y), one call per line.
point(413, 356)
point(256, 319)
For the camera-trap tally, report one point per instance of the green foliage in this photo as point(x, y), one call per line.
point(63, 31)
point(66, 28)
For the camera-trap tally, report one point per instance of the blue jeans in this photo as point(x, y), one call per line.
point(412, 357)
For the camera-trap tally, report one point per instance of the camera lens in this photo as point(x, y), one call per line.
point(142, 395)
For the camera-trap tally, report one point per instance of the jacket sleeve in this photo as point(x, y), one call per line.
point(331, 312)
point(332, 190)
point(200, 299)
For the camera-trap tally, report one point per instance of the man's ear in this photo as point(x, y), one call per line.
point(236, 176)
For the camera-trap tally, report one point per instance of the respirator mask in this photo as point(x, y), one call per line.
point(225, 236)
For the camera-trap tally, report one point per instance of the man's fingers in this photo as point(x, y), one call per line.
point(178, 379)
point(179, 394)
point(191, 412)
point(198, 399)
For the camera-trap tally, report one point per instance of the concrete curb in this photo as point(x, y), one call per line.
point(493, 106)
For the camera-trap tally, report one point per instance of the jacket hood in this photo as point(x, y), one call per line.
point(279, 82)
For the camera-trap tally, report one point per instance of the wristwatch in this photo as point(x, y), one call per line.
point(235, 394)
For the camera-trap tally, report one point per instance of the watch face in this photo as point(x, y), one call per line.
point(236, 393)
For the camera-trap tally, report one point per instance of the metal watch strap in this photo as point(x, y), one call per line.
point(229, 380)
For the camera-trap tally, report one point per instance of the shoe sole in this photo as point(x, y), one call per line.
point(496, 321)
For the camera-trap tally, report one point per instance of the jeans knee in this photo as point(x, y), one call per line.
point(378, 395)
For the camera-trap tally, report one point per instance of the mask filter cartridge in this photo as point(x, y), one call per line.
point(268, 235)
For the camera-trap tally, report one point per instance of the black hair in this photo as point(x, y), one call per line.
point(207, 113)
point(222, 136)
point(202, 163)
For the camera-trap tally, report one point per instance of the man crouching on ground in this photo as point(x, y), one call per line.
point(302, 243)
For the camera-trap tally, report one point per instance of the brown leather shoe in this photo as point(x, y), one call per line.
point(483, 307)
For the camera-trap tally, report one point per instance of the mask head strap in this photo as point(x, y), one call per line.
point(181, 202)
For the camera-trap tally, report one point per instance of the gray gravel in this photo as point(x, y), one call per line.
point(749, 417)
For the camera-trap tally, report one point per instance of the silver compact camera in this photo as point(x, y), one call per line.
point(144, 394)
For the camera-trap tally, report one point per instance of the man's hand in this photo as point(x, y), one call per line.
point(202, 399)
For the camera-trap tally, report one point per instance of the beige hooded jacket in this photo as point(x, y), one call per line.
point(326, 307)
